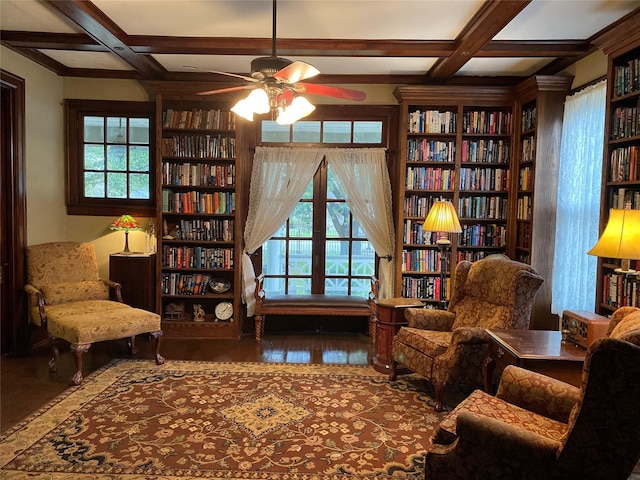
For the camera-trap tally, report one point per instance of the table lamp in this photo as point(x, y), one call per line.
point(620, 239)
point(442, 218)
point(126, 223)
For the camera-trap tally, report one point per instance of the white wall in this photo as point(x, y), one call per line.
point(47, 219)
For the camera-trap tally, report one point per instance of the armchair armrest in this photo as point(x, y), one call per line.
point(116, 286)
point(470, 335)
point(39, 301)
point(544, 395)
point(429, 319)
point(505, 439)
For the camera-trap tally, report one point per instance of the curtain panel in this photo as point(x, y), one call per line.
point(579, 185)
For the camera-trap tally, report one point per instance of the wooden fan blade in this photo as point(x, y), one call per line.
point(295, 72)
point(226, 90)
point(243, 77)
point(327, 91)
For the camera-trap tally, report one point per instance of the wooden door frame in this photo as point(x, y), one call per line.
point(13, 228)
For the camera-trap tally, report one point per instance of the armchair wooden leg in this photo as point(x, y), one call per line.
point(53, 361)
point(394, 371)
point(78, 351)
point(131, 345)
point(259, 327)
point(158, 337)
point(438, 406)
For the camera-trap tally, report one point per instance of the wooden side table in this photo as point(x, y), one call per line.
point(137, 275)
point(389, 317)
point(541, 351)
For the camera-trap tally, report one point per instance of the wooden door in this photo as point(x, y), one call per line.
point(13, 320)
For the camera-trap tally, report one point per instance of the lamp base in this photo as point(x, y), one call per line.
point(126, 250)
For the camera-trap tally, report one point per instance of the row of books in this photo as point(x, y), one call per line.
point(625, 164)
point(199, 175)
point(528, 119)
point(489, 235)
point(625, 122)
point(429, 178)
point(523, 239)
point(626, 78)
point(432, 121)
point(421, 260)
point(413, 234)
point(423, 150)
point(198, 202)
point(199, 146)
point(212, 230)
point(484, 179)
point(523, 208)
point(485, 151)
point(621, 290)
point(528, 149)
point(418, 205)
point(471, 255)
point(197, 257)
point(487, 122)
point(185, 284)
point(624, 198)
point(494, 208)
point(427, 288)
point(525, 180)
point(199, 119)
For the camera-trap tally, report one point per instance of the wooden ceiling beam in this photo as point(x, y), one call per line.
point(105, 32)
point(490, 19)
point(145, 45)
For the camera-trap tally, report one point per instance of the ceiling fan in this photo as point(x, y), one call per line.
point(276, 85)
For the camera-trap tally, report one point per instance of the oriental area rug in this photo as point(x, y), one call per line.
point(204, 420)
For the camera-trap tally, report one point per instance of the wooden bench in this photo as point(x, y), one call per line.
point(313, 304)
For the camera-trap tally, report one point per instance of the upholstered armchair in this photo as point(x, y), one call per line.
point(71, 302)
point(538, 427)
point(451, 346)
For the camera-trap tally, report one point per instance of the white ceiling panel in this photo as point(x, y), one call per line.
point(505, 66)
point(32, 16)
point(99, 60)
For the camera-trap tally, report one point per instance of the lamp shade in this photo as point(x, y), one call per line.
point(621, 237)
point(442, 218)
point(126, 223)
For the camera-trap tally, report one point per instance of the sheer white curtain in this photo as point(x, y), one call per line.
point(278, 180)
point(579, 185)
point(364, 177)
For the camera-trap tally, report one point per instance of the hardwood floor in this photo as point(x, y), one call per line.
point(26, 384)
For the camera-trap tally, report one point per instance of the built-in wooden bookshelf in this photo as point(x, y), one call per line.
point(539, 109)
point(198, 245)
point(455, 144)
point(621, 165)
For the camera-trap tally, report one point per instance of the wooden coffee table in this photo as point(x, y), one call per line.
point(541, 351)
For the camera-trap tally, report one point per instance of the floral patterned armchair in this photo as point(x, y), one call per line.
point(72, 303)
point(539, 427)
point(451, 346)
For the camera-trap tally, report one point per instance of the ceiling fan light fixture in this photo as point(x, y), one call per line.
point(299, 108)
point(257, 102)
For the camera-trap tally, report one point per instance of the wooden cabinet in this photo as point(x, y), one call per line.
point(137, 275)
point(455, 144)
point(388, 317)
point(539, 108)
point(199, 245)
point(621, 161)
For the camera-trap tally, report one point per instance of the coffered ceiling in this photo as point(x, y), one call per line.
point(349, 41)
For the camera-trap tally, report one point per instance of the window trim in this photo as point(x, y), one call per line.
point(77, 204)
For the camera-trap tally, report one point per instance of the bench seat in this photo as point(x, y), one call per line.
point(312, 304)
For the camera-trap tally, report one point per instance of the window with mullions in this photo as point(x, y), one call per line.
point(321, 248)
point(110, 158)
